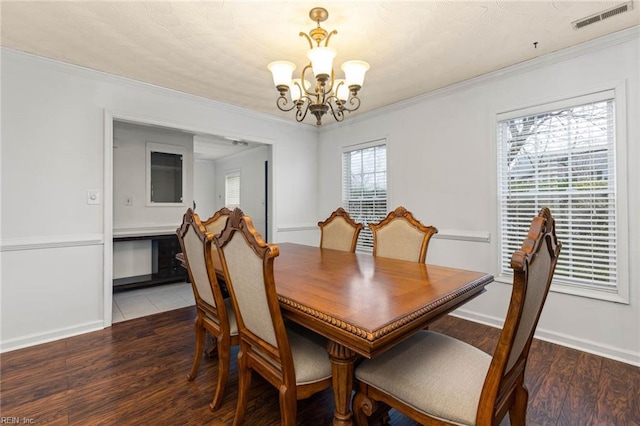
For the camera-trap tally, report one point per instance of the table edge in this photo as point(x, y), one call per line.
point(372, 336)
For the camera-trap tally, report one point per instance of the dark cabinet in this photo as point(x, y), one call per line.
point(165, 267)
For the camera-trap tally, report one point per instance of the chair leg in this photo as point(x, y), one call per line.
point(244, 383)
point(224, 359)
point(212, 350)
point(362, 408)
point(200, 337)
point(288, 406)
point(518, 411)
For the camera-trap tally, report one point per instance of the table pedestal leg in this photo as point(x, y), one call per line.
point(342, 361)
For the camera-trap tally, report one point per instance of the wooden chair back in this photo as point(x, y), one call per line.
point(215, 224)
point(212, 313)
point(533, 267)
point(436, 380)
point(401, 236)
point(247, 262)
point(339, 231)
point(196, 244)
point(266, 346)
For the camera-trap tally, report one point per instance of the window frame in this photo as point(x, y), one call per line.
point(617, 90)
point(235, 173)
point(345, 201)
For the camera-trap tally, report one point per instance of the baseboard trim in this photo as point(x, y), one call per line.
point(584, 345)
point(50, 336)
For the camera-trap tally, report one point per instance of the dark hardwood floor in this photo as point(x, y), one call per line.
point(134, 373)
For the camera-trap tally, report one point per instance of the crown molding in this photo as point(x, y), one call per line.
point(610, 40)
point(594, 45)
point(89, 73)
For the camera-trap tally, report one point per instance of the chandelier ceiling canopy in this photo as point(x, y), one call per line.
point(327, 93)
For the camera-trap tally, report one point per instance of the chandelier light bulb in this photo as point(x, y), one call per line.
point(282, 72)
point(354, 72)
point(322, 60)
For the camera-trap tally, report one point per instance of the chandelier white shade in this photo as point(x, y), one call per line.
point(322, 60)
point(354, 72)
point(282, 72)
point(327, 94)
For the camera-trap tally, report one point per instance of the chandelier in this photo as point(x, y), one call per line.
point(328, 94)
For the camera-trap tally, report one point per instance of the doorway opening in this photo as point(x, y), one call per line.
point(140, 244)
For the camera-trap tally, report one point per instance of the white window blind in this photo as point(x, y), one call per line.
point(562, 158)
point(364, 192)
point(232, 190)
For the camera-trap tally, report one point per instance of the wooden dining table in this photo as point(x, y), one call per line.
point(363, 304)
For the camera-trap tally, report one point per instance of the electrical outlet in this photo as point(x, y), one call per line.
point(93, 196)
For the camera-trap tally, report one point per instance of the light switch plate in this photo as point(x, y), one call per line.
point(93, 196)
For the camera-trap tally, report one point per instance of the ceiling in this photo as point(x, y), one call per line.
point(220, 49)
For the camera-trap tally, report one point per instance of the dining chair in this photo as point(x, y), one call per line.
point(292, 359)
point(436, 379)
point(215, 224)
point(401, 236)
point(339, 231)
point(214, 314)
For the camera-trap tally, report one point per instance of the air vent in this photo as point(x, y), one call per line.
point(624, 7)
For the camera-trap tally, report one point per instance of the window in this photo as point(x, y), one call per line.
point(166, 174)
point(232, 189)
point(563, 156)
point(364, 193)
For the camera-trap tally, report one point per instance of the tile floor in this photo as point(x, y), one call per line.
point(137, 303)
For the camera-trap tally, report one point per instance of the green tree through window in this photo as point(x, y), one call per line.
point(364, 193)
point(563, 159)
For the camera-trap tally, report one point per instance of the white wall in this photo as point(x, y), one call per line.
point(53, 133)
point(131, 258)
point(204, 179)
point(250, 163)
point(130, 178)
point(442, 167)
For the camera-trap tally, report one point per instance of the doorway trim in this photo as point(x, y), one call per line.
point(109, 117)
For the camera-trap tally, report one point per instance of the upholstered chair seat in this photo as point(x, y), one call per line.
point(293, 359)
point(438, 380)
point(310, 360)
point(433, 374)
